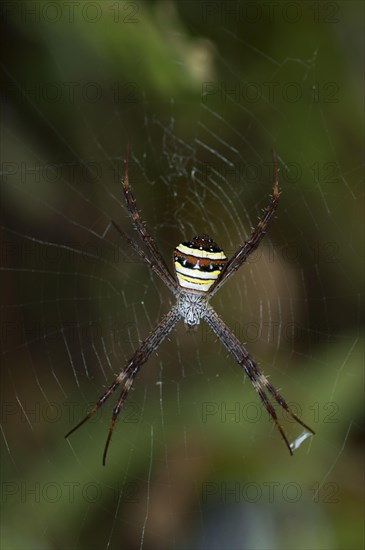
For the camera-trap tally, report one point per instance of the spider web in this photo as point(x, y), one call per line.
point(189, 463)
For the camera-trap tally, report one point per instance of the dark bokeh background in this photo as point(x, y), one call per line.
point(79, 82)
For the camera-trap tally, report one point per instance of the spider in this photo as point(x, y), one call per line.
point(201, 268)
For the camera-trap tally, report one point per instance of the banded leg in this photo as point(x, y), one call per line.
point(276, 395)
point(154, 266)
point(129, 373)
point(141, 229)
point(118, 408)
point(258, 379)
point(257, 235)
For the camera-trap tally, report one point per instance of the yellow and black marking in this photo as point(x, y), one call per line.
point(198, 263)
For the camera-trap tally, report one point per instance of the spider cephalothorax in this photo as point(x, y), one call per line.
point(201, 269)
point(192, 307)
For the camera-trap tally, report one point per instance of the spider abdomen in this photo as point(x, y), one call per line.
point(198, 263)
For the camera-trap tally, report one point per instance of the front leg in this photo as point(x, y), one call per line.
point(258, 379)
point(128, 374)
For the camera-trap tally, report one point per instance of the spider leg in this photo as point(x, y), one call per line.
point(121, 376)
point(241, 255)
point(154, 266)
point(117, 409)
point(276, 395)
point(268, 406)
point(243, 358)
point(141, 229)
point(128, 374)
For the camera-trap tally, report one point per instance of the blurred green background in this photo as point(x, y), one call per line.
point(202, 91)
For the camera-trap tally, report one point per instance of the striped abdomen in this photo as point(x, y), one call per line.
point(198, 263)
